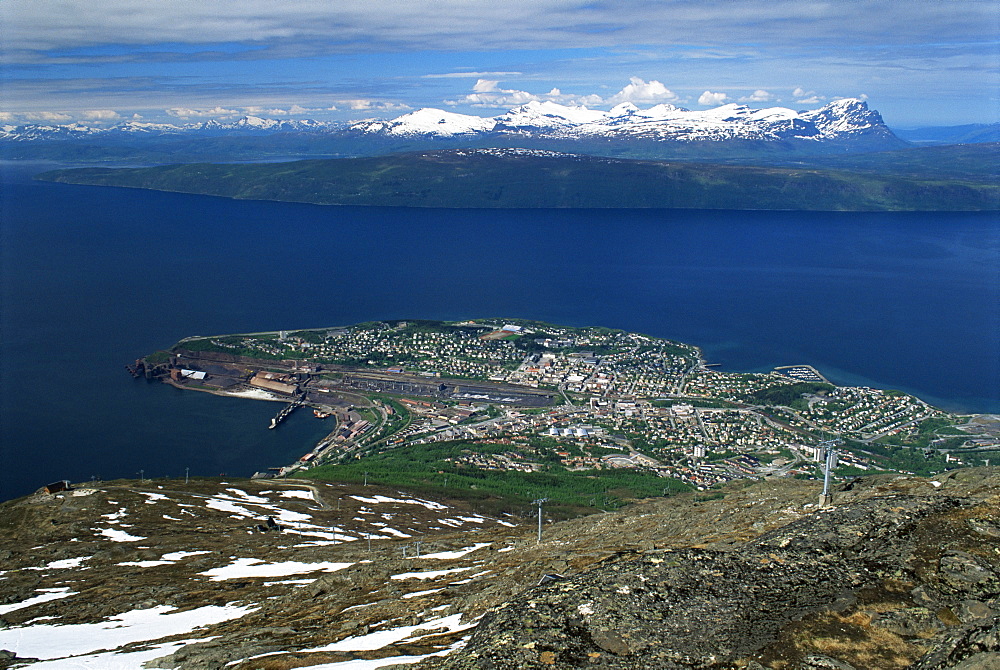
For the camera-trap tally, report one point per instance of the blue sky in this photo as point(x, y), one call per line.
point(918, 62)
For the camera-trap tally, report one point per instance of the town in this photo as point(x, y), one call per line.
point(522, 396)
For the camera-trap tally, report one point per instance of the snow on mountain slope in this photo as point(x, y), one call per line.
point(428, 121)
point(847, 119)
point(838, 120)
point(243, 126)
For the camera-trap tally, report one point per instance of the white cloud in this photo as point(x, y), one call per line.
point(361, 104)
point(7, 117)
point(215, 112)
point(639, 91)
point(254, 109)
point(46, 116)
point(489, 93)
point(804, 97)
point(710, 98)
point(486, 86)
point(860, 96)
point(100, 115)
point(760, 95)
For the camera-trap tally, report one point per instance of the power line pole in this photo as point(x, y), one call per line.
point(826, 498)
point(540, 502)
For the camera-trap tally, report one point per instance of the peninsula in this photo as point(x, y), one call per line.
point(921, 179)
point(445, 404)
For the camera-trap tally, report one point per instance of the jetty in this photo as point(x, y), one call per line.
point(286, 410)
point(803, 373)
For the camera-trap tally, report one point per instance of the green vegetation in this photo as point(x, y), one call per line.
point(428, 468)
point(158, 357)
point(491, 180)
point(233, 345)
point(789, 395)
point(898, 458)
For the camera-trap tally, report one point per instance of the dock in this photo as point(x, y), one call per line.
point(286, 410)
point(802, 373)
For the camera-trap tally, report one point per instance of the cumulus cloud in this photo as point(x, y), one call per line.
point(639, 91)
point(804, 97)
point(489, 93)
point(710, 98)
point(7, 117)
point(760, 95)
point(215, 112)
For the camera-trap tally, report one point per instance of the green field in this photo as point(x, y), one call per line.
point(425, 468)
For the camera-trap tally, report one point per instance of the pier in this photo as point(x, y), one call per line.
point(286, 410)
point(802, 373)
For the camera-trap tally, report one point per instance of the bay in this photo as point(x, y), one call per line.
point(95, 277)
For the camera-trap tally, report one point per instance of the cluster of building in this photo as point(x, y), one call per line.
point(628, 400)
point(866, 412)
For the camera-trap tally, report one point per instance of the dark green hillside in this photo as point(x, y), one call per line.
point(974, 162)
point(514, 179)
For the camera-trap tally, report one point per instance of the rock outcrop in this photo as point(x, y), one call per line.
point(902, 572)
point(892, 581)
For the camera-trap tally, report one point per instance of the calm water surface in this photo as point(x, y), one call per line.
point(93, 278)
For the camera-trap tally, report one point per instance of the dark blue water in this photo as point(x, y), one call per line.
point(94, 277)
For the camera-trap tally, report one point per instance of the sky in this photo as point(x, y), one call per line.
point(918, 62)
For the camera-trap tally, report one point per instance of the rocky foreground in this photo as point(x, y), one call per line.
point(900, 572)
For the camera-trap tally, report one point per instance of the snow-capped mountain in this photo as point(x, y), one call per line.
point(843, 119)
point(428, 121)
point(729, 132)
point(247, 125)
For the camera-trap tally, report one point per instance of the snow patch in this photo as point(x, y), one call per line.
point(254, 567)
point(66, 563)
point(409, 501)
point(46, 595)
point(381, 638)
point(116, 535)
point(47, 641)
point(178, 555)
point(445, 555)
point(429, 574)
point(304, 495)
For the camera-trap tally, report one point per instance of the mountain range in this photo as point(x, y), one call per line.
point(662, 131)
